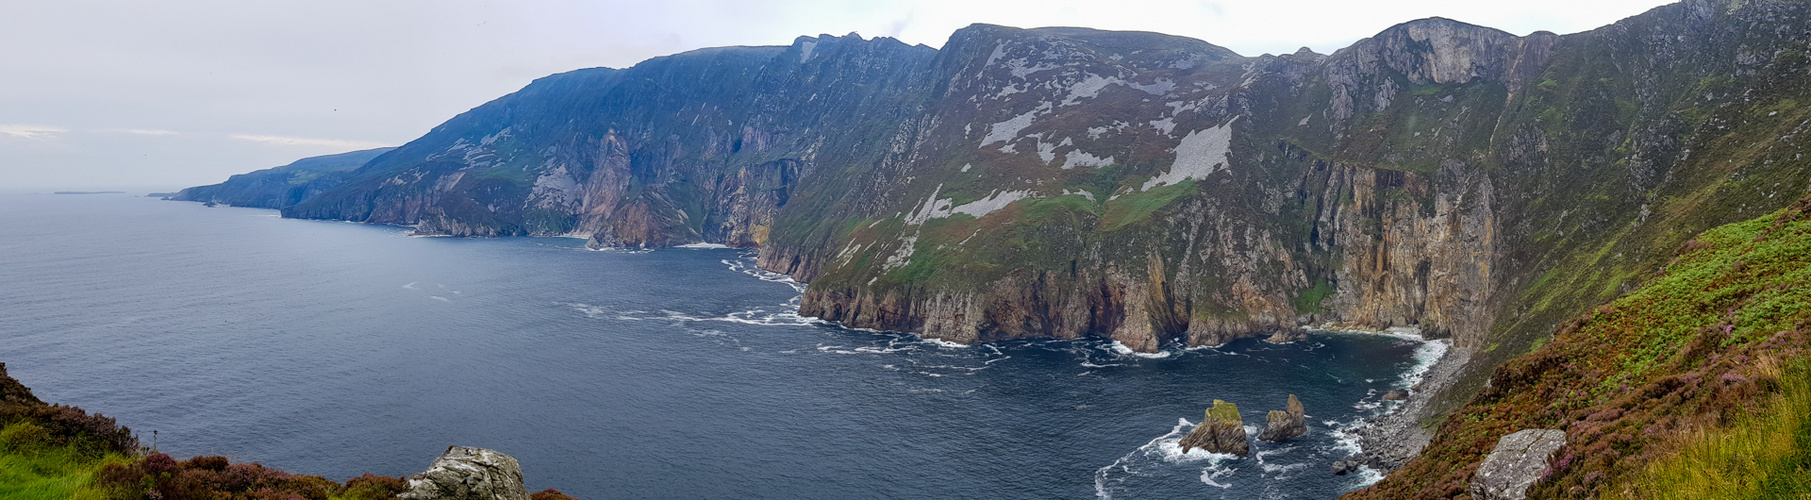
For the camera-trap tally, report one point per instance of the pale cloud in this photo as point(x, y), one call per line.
point(31, 131)
point(278, 140)
point(139, 131)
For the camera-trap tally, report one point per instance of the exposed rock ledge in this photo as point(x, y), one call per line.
point(466, 473)
point(1515, 464)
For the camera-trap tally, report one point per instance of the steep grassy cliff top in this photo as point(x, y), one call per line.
point(1702, 345)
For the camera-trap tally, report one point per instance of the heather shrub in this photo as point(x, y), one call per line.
point(373, 487)
point(162, 477)
point(94, 434)
point(550, 494)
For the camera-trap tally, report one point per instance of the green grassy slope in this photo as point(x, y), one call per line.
point(1707, 343)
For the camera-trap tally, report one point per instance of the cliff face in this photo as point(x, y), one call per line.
point(1065, 182)
point(700, 146)
point(1439, 175)
point(1152, 189)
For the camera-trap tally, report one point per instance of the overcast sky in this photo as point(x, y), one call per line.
point(152, 95)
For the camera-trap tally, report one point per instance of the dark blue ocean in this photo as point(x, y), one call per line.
point(337, 349)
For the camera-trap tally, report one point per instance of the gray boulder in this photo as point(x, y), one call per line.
point(1515, 464)
point(466, 473)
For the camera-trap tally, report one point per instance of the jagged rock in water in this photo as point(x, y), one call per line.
point(1515, 464)
point(1287, 335)
point(1345, 466)
point(1281, 425)
point(1221, 432)
point(466, 473)
point(1396, 395)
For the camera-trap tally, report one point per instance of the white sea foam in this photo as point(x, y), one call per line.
point(1164, 449)
point(1426, 355)
point(949, 345)
point(620, 250)
point(742, 266)
point(1127, 351)
point(704, 246)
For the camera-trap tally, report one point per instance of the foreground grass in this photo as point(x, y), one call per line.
point(30, 470)
point(1766, 454)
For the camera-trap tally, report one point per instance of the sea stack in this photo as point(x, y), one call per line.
point(1281, 425)
point(1221, 432)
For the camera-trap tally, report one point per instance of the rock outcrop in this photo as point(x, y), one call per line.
point(466, 473)
point(1515, 464)
point(1286, 424)
point(1222, 431)
point(1396, 395)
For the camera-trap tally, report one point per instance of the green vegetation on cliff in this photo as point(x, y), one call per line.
point(1765, 454)
point(1708, 357)
point(34, 466)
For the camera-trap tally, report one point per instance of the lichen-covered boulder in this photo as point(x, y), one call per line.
point(1221, 432)
point(466, 473)
point(1289, 423)
point(1515, 464)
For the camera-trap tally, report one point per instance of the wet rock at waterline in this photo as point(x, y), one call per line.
point(1289, 423)
point(1345, 466)
point(466, 473)
point(1515, 464)
point(1221, 432)
point(1287, 335)
point(1396, 395)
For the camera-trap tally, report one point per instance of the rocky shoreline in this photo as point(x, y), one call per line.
point(1385, 442)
